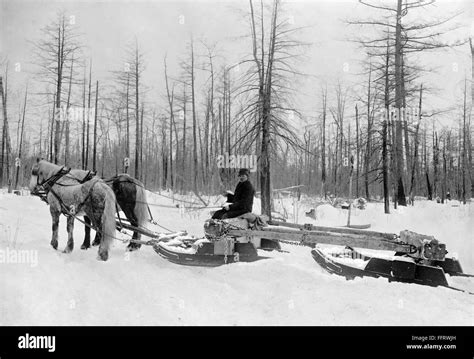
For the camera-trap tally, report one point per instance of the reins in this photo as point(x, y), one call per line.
point(46, 186)
point(48, 183)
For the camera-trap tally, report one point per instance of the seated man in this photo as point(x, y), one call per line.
point(242, 200)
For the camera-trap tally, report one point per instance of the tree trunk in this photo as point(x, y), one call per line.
point(266, 118)
point(88, 115)
point(193, 103)
point(94, 149)
point(386, 193)
point(399, 104)
point(170, 103)
point(368, 151)
point(6, 146)
point(21, 138)
point(127, 114)
point(59, 79)
point(84, 110)
point(183, 173)
point(141, 141)
point(428, 185)
point(357, 152)
point(68, 104)
point(464, 147)
point(137, 118)
point(323, 147)
point(415, 155)
point(406, 157)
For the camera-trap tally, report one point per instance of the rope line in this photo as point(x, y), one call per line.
point(52, 181)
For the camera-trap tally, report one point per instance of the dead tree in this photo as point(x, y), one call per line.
point(466, 190)
point(270, 104)
point(96, 112)
point(6, 144)
point(129, 90)
point(136, 77)
point(88, 116)
point(188, 80)
point(20, 145)
point(54, 54)
point(68, 105)
point(406, 37)
point(338, 114)
point(170, 98)
point(415, 155)
point(324, 97)
point(357, 150)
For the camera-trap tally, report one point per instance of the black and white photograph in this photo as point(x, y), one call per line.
point(237, 163)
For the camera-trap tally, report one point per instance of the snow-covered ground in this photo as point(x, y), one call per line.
point(287, 288)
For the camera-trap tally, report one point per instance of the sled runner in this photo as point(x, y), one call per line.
point(207, 253)
point(358, 226)
point(350, 263)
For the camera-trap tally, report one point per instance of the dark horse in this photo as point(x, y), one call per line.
point(131, 199)
point(93, 198)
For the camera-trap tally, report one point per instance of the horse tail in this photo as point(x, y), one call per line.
point(141, 206)
point(108, 223)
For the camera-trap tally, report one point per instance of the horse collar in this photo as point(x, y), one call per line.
point(51, 181)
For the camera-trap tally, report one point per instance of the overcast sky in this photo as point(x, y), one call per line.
point(165, 27)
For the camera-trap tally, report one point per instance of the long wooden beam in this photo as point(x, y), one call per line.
point(312, 238)
point(390, 236)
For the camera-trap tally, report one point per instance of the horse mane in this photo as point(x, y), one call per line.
point(129, 179)
point(77, 174)
point(48, 168)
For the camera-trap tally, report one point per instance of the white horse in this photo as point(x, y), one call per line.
point(94, 199)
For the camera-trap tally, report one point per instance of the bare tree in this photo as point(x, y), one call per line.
point(324, 97)
point(68, 105)
point(6, 144)
point(54, 55)
point(128, 93)
point(20, 145)
point(170, 98)
point(96, 112)
point(405, 37)
point(268, 80)
point(188, 79)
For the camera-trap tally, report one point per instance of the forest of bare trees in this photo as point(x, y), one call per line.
point(210, 107)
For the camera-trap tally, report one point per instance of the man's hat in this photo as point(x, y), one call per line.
point(244, 171)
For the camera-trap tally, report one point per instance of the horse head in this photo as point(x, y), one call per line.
point(40, 172)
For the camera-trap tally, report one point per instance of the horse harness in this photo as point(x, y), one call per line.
point(88, 177)
point(42, 189)
point(46, 187)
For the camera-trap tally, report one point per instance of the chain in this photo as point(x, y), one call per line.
point(226, 249)
point(293, 243)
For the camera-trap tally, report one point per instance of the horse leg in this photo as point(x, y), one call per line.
point(134, 246)
point(70, 239)
point(134, 222)
point(55, 217)
point(97, 239)
point(126, 195)
point(98, 234)
point(87, 239)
